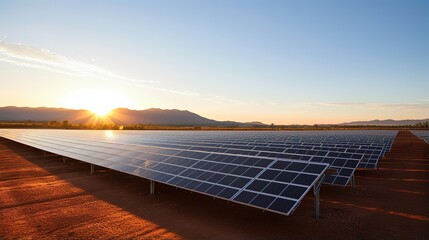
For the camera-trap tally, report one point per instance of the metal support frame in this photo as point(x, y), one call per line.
point(91, 168)
point(64, 160)
point(151, 187)
point(316, 191)
point(353, 182)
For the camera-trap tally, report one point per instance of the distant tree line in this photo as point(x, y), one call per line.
point(423, 124)
point(65, 124)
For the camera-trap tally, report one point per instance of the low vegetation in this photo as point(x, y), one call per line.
point(67, 125)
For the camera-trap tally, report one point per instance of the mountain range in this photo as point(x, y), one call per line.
point(119, 116)
point(155, 116)
point(387, 122)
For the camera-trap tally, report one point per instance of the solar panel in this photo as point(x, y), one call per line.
point(372, 144)
point(343, 163)
point(272, 184)
point(422, 134)
point(341, 149)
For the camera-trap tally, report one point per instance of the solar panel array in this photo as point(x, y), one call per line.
point(423, 134)
point(344, 151)
point(371, 144)
point(265, 182)
point(343, 163)
point(260, 169)
point(291, 145)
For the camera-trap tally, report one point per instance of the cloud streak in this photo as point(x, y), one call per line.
point(27, 56)
point(39, 58)
point(218, 99)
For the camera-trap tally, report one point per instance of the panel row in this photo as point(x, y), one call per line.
point(344, 163)
point(276, 185)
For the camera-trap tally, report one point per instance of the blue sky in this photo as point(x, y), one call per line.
point(278, 62)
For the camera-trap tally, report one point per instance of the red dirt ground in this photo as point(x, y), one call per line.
point(42, 198)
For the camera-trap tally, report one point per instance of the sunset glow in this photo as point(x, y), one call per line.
point(101, 111)
point(287, 62)
point(99, 101)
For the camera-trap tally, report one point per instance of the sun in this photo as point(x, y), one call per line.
point(101, 102)
point(101, 111)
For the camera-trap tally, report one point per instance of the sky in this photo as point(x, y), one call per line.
point(281, 62)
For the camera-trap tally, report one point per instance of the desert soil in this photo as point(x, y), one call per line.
point(42, 198)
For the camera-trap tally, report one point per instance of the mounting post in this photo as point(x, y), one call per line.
point(316, 202)
point(64, 160)
point(151, 187)
point(353, 182)
point(316, 191)
point(91, 168)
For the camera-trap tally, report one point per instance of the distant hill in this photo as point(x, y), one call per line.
point(43, 114)
point(387, 122)
point(120, 116)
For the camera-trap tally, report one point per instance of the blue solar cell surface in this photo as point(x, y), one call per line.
point(423, 134)
point(269, 183)
point(344, 151)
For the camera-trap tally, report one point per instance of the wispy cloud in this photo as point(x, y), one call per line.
point(39, 58)
point(218, 99)
point(28, 56)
